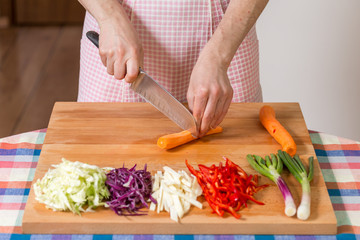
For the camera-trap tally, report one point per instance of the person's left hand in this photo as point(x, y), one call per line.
point(210, 93)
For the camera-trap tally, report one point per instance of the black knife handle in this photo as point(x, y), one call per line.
point(93, 37)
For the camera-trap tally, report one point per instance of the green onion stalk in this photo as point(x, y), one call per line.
point(296, 167)
point(271, 168)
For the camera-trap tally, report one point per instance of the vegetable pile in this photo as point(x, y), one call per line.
point(175, 192)
point(272, 168)
point(227, 188)
point(72, 186)
point(129, 190)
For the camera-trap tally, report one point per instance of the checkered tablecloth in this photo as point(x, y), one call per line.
point(339, 160)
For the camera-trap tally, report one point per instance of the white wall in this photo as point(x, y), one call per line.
point(310, 53)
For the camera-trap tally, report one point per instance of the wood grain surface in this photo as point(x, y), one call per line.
point(47, 12)
point(38, 66)
point(113, 134)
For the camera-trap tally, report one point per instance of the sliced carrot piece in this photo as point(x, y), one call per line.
point(176, 139)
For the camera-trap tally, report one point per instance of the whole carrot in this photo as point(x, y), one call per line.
point(176, 139)
point(274, 127)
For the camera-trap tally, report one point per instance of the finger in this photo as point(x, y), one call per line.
point(223, 107)
point(224, 111)
point(218, 113)
point(208, 116)
point(119, 70)
point(103, 59)
point(200, 102)
point(190, 100)
point(110, 66)
point(132, 70)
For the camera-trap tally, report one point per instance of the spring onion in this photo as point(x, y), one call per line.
point(296, 167)
point(272, 167)
point(72, 186)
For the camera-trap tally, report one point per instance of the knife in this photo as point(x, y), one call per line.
point(155, 94)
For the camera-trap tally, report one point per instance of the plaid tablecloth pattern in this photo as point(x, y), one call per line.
point(339, 160)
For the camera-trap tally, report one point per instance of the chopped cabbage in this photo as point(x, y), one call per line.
point(72, 186)
point(129, 190)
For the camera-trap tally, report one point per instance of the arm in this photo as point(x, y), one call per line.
point(210, 93)
point(119, 46)
point(239, 18)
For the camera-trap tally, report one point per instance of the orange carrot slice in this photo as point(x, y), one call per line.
point(274, 127)
point(176, 139)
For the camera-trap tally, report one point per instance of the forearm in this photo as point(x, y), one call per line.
point(105, 10)
point(238, 19)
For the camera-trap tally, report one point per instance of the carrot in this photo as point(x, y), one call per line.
point(274, 127)
point(176, 139)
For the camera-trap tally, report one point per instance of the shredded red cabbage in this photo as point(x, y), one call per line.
point(129, 190)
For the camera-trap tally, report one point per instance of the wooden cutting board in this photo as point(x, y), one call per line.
point(113, 134)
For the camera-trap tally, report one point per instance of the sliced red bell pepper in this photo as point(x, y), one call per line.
point(226, 188)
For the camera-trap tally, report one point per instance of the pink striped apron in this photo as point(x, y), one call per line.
point(173, 34)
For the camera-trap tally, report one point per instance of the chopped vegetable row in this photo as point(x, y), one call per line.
point(73, 185)
point(80, 187)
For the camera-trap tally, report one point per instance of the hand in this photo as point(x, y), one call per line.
point(120, 48)
point(210, 93)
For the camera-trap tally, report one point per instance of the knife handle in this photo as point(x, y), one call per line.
point(93, 37)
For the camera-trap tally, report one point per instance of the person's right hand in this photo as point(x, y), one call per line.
point(120, 48)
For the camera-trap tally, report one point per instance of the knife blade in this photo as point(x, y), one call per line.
point(158, 96)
